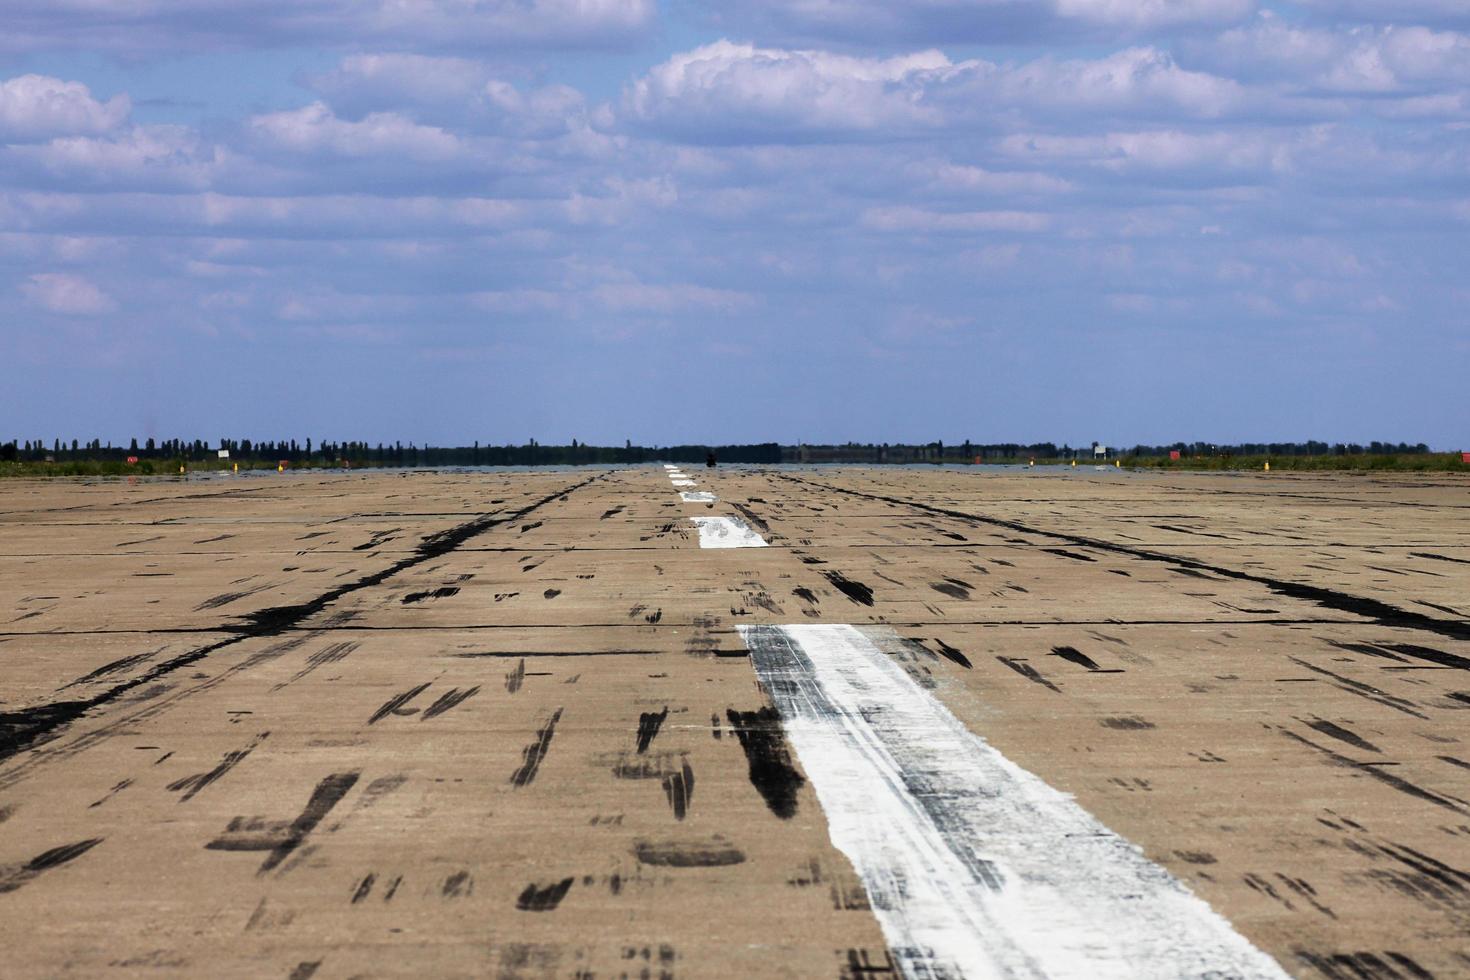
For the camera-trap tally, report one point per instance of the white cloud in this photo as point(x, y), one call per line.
point(314, 129)
point(394, 79)
point(1134, 80)
point(944, 177)
point(61, 292)
point(1355, 60)
point(139, 157)
point(1202, 155)
point(38, 107)
point(726, 91)
point(1141, 15)
point(638, 297)
point(911, 219)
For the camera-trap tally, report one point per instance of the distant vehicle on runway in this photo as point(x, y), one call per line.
point(710, 460)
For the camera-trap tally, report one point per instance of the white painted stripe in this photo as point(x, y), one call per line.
point(696, 496)
point(726, 532)
point(683, 483)
point(670, 466)
point(975, 867)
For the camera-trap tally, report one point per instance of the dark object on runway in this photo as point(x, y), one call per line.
point(709, 460)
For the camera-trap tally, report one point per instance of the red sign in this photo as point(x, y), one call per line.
point(132, 460)
point(1173, 454)
point(1465, 457)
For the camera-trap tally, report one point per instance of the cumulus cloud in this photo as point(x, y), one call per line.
point(315, 129)
point(61, 292)
point(454, 93)
point(727, 91)
point(463, 25)
point(737, 92)
point(38, 107)
point(1356, 60)
point(1143, 79)
point(155, 157)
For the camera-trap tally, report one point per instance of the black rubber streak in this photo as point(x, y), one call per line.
point(1029, 672)
point(713, 853)
point(395, 704)
point(281, 841)
point(856, 591)
point(16, 875)
point(449, 699)
point(191, 785)
point(533, 754)
point(443, 592)
point(1452, 804)
point(769, 761)
point(543, 898)
point(679, 788)
point(649, 723)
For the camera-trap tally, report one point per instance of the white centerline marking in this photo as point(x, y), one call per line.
point(683, 483)
point(726, 532)
point(696, 496)
point(975, 867)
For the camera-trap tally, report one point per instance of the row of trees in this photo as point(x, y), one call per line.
point(1309, 448)
point(967, 452)
point(533, 453)
point(328, 453)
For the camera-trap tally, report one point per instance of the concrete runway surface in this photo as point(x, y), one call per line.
point(664, 722)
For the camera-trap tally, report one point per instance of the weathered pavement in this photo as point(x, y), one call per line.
point(508, 724)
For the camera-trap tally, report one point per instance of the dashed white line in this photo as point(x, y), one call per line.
point(726, 532)
point(975, 867)
point(696, 496)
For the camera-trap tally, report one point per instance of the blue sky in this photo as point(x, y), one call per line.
point(818, 220)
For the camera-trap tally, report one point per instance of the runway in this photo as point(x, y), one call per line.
point(671, 722)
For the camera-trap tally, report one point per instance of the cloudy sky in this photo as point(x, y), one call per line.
point(681, 220)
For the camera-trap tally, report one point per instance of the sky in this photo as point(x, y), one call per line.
point(671, 221)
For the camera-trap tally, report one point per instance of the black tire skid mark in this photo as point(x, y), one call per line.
point(535, 753)
point(279, 841)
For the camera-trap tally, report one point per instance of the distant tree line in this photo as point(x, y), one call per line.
point(1309, 448)
point(533, 453)
point(395, 454)
point(969, 452)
